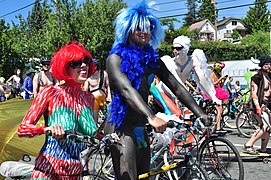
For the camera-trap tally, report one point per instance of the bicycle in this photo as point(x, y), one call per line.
point(169, 166)
point(248, 121)
point(95, 154)
point(216, 155)
point(232, 108)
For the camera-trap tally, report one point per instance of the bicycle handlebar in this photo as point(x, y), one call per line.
point(107, 140)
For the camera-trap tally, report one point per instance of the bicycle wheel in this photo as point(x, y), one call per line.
point(228, 117)
point(102, 164)
point(221, 159)
point(190, 172)
point(246, 123)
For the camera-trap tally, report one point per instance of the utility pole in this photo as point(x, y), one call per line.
point(213, 2)
point(269, 20)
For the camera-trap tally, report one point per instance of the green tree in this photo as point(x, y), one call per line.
point(257, 17)
point(235, 35)
point(207, 11)
point(191, 16)
point(95, 25)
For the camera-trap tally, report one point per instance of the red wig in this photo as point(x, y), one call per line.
point(70, 52)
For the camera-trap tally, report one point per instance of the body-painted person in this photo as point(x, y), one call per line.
point(132, 64)
point(67, 107)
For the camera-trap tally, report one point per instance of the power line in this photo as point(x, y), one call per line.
point(170, 2)
point(219, 9)
point(20, 9)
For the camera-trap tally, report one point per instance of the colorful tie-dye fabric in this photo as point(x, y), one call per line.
point(69, 107)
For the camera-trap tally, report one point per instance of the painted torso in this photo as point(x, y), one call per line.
point(69, 107)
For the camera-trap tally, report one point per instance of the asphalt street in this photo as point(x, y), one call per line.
point(254, 167)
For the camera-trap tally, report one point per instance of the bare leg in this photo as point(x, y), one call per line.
point(218, 117)
point(256, 135)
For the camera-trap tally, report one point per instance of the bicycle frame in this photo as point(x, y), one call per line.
point(187, 145)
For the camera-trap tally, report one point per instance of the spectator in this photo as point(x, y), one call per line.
point(98, 85)
point(2, 89)
point(67, 108)
point(260, 94)
point(229, 88)
point(28, 84)
point(43, 78)
point(237, 87)
point(15, 82)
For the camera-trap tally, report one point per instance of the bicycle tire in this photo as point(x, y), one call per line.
point(246, 124)
point(189, 172)
point(221, 159)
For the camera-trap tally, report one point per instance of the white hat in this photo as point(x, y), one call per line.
point(182, 41)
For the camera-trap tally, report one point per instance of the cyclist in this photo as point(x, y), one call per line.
point(131, 66)
point(44, 77)
point(67, 107)
point(261, 96)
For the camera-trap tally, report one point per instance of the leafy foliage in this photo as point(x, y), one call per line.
point(191, 16)
point(257, 17)
point(207, 11)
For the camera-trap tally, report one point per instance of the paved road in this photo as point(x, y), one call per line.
point(254, 167)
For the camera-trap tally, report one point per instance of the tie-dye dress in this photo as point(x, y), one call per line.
point(71, 108)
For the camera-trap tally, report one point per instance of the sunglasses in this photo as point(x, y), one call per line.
point(46, 64)
point(141, 30)
point(78, 64)
point(177, 48)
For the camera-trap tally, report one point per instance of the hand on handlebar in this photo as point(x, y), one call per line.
point(56, 132)
point(158, 124)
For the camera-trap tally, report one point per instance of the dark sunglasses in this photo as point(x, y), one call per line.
point(78, 64)
point(46, 64)
point(177, 48)
point(141, 30)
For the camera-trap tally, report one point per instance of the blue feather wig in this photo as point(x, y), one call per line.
point(140, 16)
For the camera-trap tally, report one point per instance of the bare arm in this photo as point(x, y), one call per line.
point(86, 85)
point(179, 90)
point(120, 81)
point(254, 90)
point(107, 87)
point(9, 79)
point(35, 85)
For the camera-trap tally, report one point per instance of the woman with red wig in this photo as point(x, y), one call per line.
point(66, 107)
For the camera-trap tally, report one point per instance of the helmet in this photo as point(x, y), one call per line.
point(219, 66)
point(45, 59)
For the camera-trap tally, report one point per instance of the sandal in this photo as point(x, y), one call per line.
point(250, 150)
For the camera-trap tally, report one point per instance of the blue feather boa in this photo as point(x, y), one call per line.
point(134, 62)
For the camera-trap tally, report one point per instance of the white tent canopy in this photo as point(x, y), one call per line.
point(237, 69)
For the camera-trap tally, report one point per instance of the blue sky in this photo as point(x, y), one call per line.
point(166, 7)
